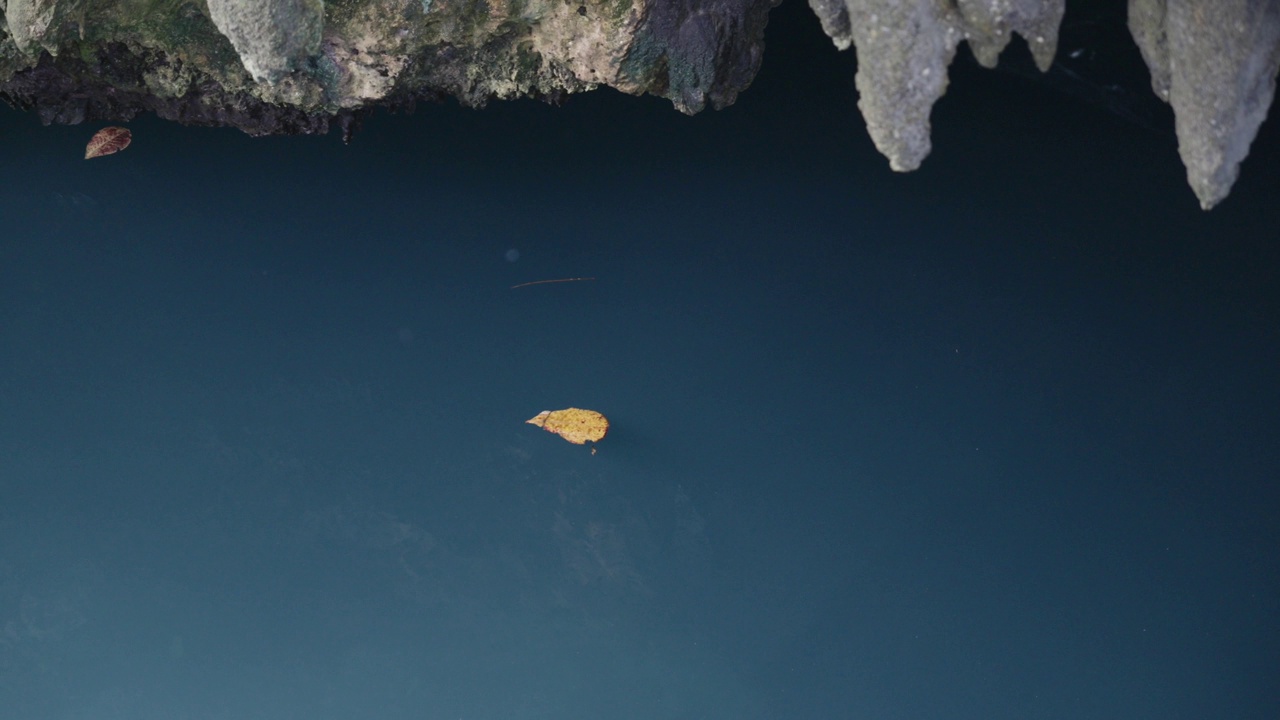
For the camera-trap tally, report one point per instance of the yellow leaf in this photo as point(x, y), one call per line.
point(573, 424)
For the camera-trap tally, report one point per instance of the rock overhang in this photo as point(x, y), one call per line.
point(298, 66)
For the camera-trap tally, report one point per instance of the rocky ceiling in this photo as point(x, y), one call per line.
point(297, 66)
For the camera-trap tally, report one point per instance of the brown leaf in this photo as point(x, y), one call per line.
point(576, 425)
point(107, 141)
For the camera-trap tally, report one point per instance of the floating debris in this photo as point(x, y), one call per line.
point(576, 425)
point(107, 141)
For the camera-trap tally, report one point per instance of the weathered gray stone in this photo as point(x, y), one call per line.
point(904, 49)
point(272, 37)
point(989, 25)
point(29, 21)
point(903, 53)
point(1215, 62)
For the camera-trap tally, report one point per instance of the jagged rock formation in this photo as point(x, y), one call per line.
point(904, 49)
point(295, 66)
point(1215, 63)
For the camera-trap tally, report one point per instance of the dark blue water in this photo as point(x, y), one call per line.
point(991, 440)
